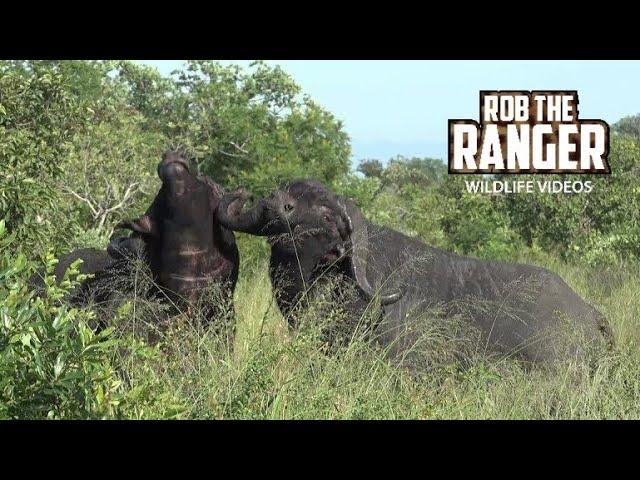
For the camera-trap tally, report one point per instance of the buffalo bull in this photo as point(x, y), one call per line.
point(188, 248)
point(179, 238)
point(109, 269)
point(517, 310)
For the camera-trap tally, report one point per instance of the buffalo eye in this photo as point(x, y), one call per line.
point(288, 207)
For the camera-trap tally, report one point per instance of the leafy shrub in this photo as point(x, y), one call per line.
point(38, 116)
point(52, 365)
point(599, 225)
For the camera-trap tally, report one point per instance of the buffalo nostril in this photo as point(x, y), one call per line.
point(171, 170)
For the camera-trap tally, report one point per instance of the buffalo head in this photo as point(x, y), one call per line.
point(186, 246)
point(307, 220)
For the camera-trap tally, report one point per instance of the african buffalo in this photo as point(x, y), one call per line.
point(93, 261)
point(517, 310)
point(179, 238)
point(188, 249)
point(108, 269)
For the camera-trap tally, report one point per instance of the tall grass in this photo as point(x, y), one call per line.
point(266, 371)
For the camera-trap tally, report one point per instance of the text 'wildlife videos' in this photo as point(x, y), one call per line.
point(528, 186)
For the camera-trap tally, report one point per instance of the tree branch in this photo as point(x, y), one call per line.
point(240, 147)
point(94, 212)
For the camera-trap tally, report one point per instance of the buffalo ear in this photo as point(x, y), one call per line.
point(356, 228)
point(145, 225)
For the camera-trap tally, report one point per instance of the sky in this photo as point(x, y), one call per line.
point(395, 107)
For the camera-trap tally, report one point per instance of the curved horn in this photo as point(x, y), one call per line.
point(231, 216)
point(357, 228)
point(144, 225)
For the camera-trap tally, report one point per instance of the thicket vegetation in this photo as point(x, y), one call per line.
point(79, 144)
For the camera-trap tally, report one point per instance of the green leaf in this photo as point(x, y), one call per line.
point(25, 339)
point(58, 366)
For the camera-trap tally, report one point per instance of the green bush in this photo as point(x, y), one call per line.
point(475, 224)
point(38, 117)
point(52, 364)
